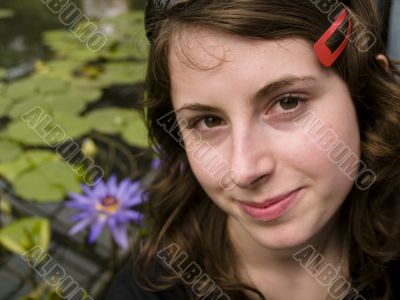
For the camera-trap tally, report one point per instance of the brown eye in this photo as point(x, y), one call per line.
point(212, 121)
point(289, 102)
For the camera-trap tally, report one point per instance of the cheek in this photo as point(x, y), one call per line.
point(327, 155)
point(204, 163)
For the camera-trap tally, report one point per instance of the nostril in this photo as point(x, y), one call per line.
point(251, 184)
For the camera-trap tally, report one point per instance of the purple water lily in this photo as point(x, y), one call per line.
point(107, 203)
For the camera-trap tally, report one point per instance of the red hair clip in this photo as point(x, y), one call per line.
point(324, 54)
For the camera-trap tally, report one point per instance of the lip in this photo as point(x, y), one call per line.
point(271, 208)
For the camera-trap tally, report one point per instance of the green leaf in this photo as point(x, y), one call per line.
point(111, 120)
point(128, 38)
point(63, 69)
point(26, 161)
point(49, 182)
point(3, 73)
point(73, 125)
point(36, 84)
point(20, 131)
point(122, 73)
point(45, 129)
point(6, 13)
point(9, 150)
point(48, 85)
point(27, 104)
point(21, 88)
point(22, 235)
point(74, 101)
point(5, 103)
point(135, 133)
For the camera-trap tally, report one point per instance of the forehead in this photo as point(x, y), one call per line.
point(203, 60)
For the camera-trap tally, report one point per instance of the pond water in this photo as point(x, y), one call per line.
point(20, 35)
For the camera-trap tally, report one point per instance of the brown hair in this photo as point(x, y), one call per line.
point(179, 211)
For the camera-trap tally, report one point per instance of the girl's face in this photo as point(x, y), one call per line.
point(248, 109)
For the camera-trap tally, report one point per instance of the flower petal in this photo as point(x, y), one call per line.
point(112, 185)
point(97, 228)
point(79, 226)
point(133, 200)
point(79, 198)
point(100, 190)
point(133, 190)
point(120, 236)
point(79, 206)
point(123, 187)
point(88, 191)
point(80, 216)
point(131, 215)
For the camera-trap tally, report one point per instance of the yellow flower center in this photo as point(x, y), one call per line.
point(108, 205)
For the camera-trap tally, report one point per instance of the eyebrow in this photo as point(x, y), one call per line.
point(266, 90)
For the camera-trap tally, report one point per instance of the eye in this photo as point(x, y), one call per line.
point(208, 121)
point(288, 104)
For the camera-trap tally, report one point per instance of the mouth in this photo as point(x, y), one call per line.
point(271, 208)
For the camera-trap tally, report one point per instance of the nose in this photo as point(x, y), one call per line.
point(252, 157)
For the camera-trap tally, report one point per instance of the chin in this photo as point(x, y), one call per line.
point(286, 236)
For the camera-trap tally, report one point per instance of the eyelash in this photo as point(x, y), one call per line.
point(193, 122)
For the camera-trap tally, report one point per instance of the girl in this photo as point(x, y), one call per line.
point(277, 125)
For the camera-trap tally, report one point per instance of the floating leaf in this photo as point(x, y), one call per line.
point(122, 73)
point(9, 150)
point(5, 103)
point(49, 182)
point(3, 73)
point(27, 104)
point(128, 38)
point(68, 46)
point(135, 133)
point(19, 131)
point(43, 129)
point(25, 162)
point(6, 13)
point(47, 84)
point(63, 69)
point(111, 120)
point(74, 101)
point(73, 125)
point(21, 88)
point(24, 234)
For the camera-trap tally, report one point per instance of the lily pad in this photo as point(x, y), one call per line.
point(43, 129)
point(20, 131)
point(135, 133)
point(24, 234)
point(21, 88)
point(3, 72)
point(63, 69)
point(111, 120)
point(5, 103)
point(28, 160)
point(67, 45)
point(49, 182)
point(6, 13)
point(27, 104)
point(74, 101)
point(122, 73)
point(73, 125)
point(128, 38)
point(9, 150)
point(48, 84)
